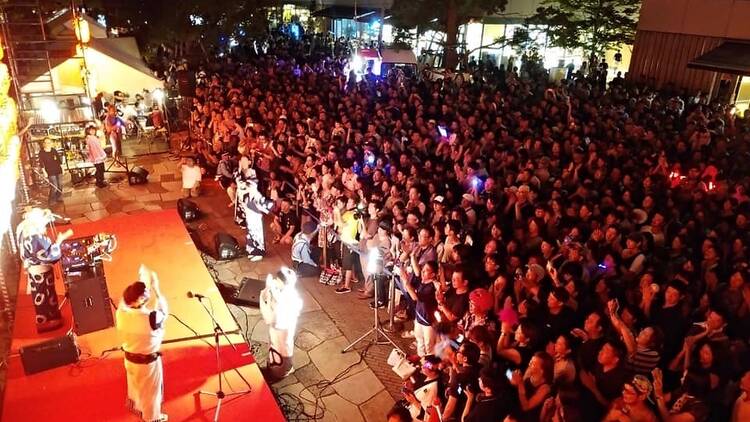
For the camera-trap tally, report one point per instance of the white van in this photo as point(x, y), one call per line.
point(383, 61)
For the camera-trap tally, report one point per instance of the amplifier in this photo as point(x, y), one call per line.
point(249, 291)
point(90, 303)
point(49, 354)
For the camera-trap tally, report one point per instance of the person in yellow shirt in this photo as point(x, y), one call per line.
point(349, 224)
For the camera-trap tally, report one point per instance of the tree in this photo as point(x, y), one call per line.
point(210, 22)
point(442, 15)
point(594, 26)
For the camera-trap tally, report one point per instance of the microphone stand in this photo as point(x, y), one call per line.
point(220, 394)
point(217, 327)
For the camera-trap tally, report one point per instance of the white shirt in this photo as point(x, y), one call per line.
point(135, 331)
point(191, 176)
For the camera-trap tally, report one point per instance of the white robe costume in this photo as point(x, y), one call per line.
point(254, 205)
point(145, 381)
point(280, 306)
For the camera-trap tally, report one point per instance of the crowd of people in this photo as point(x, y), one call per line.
point(562, 252)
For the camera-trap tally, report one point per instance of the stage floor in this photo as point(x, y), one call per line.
point(94, 389)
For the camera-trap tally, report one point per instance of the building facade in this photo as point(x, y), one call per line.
point(696, 45)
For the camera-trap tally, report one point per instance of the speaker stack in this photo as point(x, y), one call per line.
point(49, 354)
point(90, 304)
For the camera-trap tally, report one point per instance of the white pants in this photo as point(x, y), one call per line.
point(425, 336)
point(145, 392)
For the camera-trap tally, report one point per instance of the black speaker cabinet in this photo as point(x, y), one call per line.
point(226, 246)
point(90, 302)
point(138, 176)
point(249, 291)
point(49, 354)
point(187, 209)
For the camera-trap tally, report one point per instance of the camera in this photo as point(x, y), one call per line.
point(360, 211)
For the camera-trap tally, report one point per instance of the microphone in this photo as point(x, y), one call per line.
point(195, 295)
point(61, 218)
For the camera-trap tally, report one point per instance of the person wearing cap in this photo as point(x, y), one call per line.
point(302, 252)
point(438, 209)
point(95, 155)
point(481, 304)
point(632, 406)
point(422, 396)
point(140, 320)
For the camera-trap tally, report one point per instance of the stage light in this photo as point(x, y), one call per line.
point(8, 178)
point(158, 95)
point(50, 111)
point(188, 210)
point(357, 62)
point(10, 146)
point(372, 260)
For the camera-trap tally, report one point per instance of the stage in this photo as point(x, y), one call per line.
point(94, 389)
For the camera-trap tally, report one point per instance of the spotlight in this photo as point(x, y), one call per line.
point(372, 260)
point(188, 210)
point(50, 111)
point(226, 246)
point(158, 95)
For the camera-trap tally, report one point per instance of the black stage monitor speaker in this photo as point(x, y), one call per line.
point(226, 246)
point(49, 354)
point(188, 210)
point(90, 303)
point(138, 176)
point(249, 291)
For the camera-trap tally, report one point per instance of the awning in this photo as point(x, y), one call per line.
point(347, 12)
point(730, 57)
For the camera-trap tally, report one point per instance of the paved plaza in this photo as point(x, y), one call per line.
point(353, 386)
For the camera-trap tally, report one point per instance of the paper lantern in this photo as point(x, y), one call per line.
point(81, 28)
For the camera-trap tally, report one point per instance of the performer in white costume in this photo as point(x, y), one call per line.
point(253, 205)
point(140, 326)
point(280, 305)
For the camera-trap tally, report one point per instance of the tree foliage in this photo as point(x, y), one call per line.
point(442, 15)
point(155, 22)
point(591, 25)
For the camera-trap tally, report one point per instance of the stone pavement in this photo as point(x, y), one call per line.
point(337, 386)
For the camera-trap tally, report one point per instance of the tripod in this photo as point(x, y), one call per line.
point(220, 394)
point(376, 330)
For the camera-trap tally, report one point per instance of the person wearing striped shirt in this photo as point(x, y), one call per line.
point(642, 350)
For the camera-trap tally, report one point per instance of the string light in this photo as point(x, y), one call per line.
point(10, 146)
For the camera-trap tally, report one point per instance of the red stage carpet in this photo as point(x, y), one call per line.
point(94, 389)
